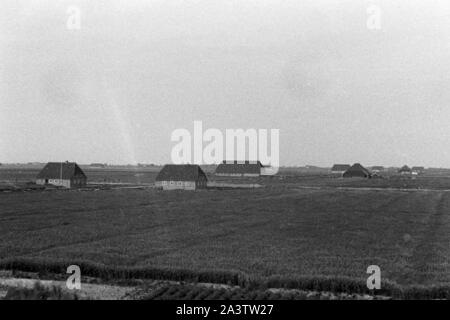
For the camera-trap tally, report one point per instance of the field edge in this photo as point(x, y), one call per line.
point(234, 278)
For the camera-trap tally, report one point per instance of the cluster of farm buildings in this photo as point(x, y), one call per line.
point(357, 170)
point(192, 177)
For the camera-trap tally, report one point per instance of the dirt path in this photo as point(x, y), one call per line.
point(91, 291)
point(149, 287)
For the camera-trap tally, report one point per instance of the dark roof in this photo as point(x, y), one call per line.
point(58, 170)
point(180, 172)
point(239, 167)
point(357, 170)
point(418, 168)
point(340, 167)
point(405, 168)
point(378, 168)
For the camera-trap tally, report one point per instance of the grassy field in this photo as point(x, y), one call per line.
point(297, 232)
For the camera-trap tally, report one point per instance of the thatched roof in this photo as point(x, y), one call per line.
point(180, 172)
point(357, 170)
point(61, 170)
point(239, 167)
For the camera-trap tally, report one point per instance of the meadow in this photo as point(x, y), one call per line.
point(306, 232)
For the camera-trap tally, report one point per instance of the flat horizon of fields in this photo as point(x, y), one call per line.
point(16, 178)
point(283, 229)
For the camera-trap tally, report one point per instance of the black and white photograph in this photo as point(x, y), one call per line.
point(247, 151)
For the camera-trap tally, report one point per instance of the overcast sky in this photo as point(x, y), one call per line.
point(114, 90)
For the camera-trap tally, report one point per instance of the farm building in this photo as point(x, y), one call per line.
point(183, 176)
point(340, 168)
point(98, 165)
point(65, 174)
point(239, 168)
point(357, 171)
point(417, 170)
point(405, 170)
point(377, 168)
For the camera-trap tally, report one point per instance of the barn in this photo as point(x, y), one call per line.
point(417, 170)
point(181, 176)
point(65, 174)
point(340, 168)
point(239, 168)
point(405, 170)
point(357, 171)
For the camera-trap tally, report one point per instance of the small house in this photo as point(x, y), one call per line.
point(357, 171)
point(181, 176)
point(64, 174)
point(377, 169)
point(417, 170)
point(405, 170)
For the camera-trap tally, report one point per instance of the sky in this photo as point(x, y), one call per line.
point(114, 89)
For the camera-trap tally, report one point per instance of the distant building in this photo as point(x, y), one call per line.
point(98, 165)
point(144, 165)
point(377, 169)
point(417, 170)
point(357, 170)
point(239, 168)
point(405, 170)
point(65, 174)
point(340, 168)
point(183, 176)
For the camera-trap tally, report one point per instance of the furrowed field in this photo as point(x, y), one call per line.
point(306, 233)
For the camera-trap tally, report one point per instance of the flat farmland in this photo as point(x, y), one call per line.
point(11, 175)
point(284, 230)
